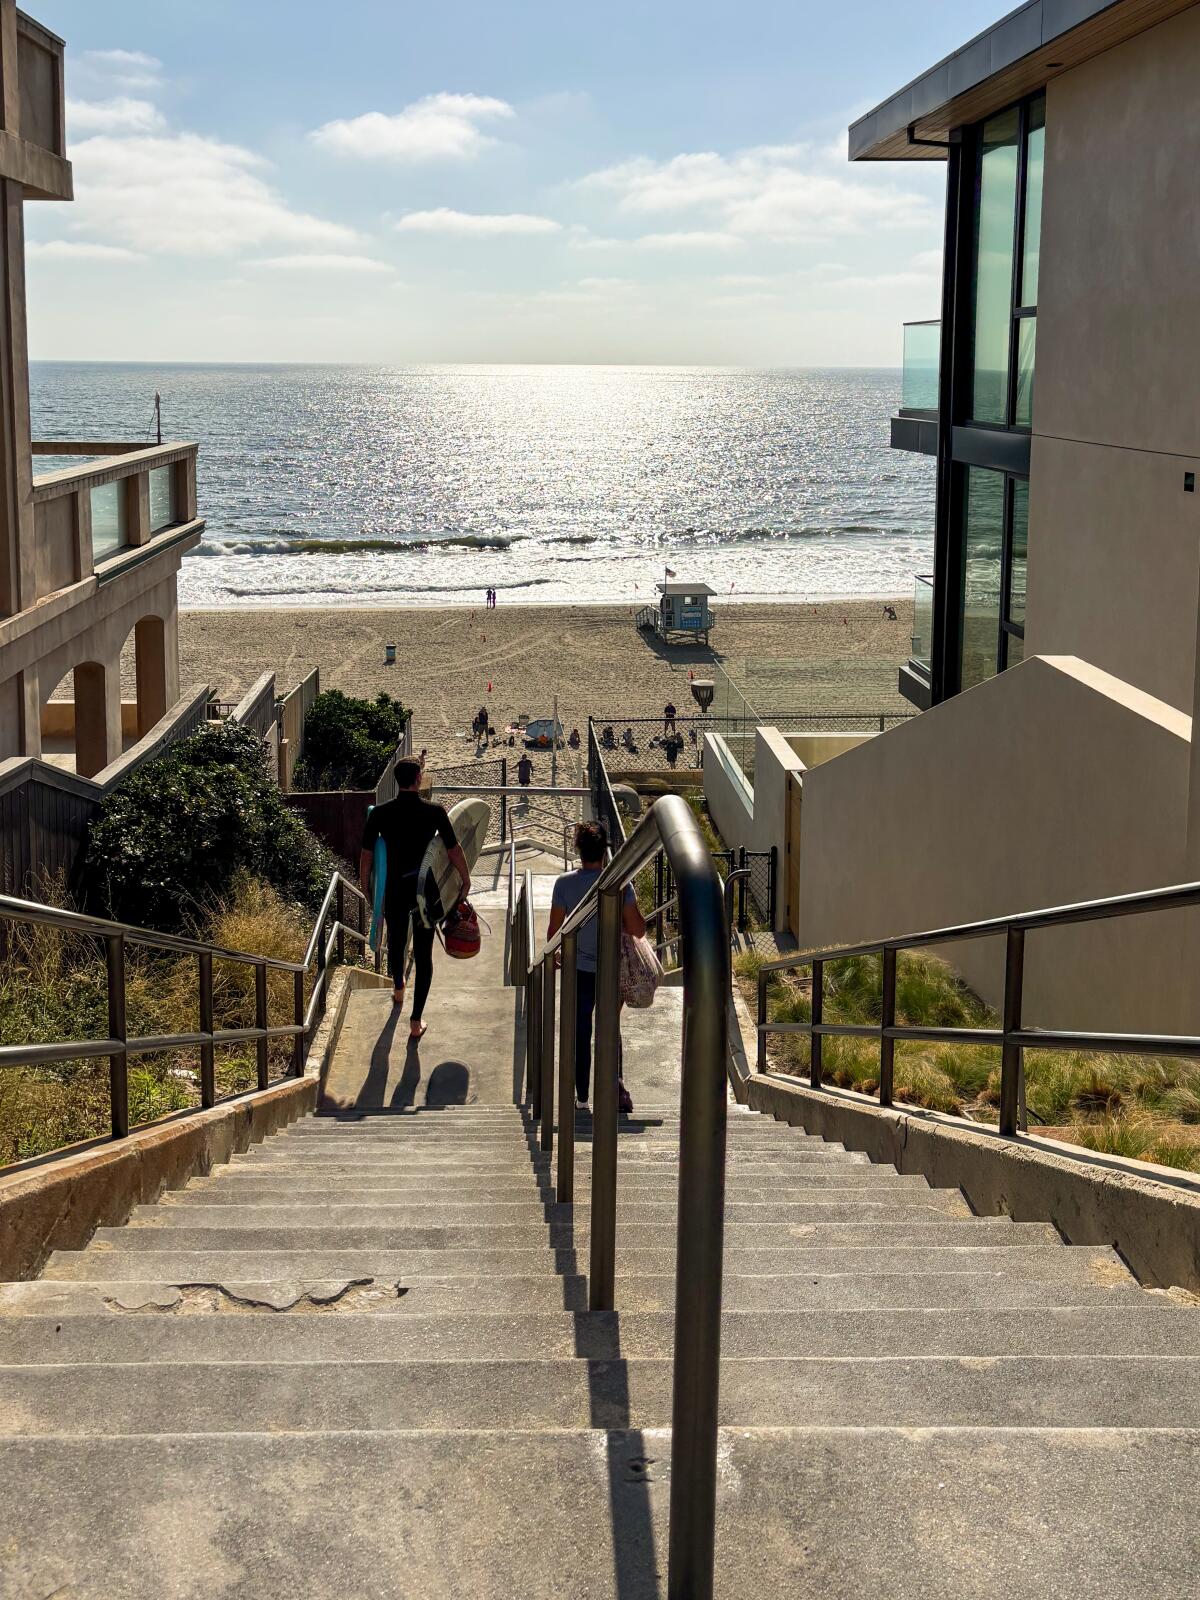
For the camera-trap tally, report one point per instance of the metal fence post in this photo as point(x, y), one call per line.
point(743, 920)
point(299, 1043)
point(565, 1187)
point(818, 1008)
point(761, 1061)
point(341, 917)
point(118, 1063)
point(887, 1046)
point(262, 1045)
point(504, 800)
point(208, 1073)
point(772, 885)
point(602, 1274)
point(1012, 1060)
point(547, 1062)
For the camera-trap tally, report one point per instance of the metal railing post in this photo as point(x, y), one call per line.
point(533, 1040)
point(504, 800)
point(547, 970)
point(118, 1064)
point(761, 1060)
point(341, 917)
point(208, 1072)
point(299, 1043)
point(699, 1245)
point(565, 1187)
point(818, 1009)
point(263, 1044)
point(323, 962)
point(887, 1046)
point(1012, 1056)
point(602, 1273)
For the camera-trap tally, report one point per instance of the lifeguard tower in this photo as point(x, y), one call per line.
point(682, 610)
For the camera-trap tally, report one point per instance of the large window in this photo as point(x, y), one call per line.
point(995, 542)
point(1008, 237)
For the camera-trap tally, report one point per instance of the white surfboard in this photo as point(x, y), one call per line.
point(439, 887)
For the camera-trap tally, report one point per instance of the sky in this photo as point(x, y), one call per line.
point(527, 181)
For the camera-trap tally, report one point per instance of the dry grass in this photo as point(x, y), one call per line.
point(1147, 1107)
point(53, 987)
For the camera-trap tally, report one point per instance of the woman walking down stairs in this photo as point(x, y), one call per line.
point(357, 1360)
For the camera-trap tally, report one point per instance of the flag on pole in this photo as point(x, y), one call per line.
point(670, 571)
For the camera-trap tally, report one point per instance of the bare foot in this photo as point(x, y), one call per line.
point(417, 1030)
point(397, 997)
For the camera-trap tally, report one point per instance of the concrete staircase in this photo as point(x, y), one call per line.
point(357, 1361)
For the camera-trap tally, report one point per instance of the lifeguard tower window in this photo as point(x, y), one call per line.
point(682, 610)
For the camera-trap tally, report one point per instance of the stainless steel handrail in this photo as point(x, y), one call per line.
point(669, 826)
point(118, 1046)
point(1013, 1036)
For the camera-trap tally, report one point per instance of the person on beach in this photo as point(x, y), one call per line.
point(591, 846)
point(406, 825)
point(525, 772)
point(668, 718)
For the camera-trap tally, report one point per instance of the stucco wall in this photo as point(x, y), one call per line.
point(1114, 541)
point(729, 798)
point(1052, 783)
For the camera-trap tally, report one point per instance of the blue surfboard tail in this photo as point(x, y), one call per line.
point(378, 890)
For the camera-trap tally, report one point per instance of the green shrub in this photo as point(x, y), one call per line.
point(348, 742)
point(175, 835)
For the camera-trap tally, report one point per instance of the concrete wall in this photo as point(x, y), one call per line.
point(727, 794)
point(816, 748)
point(1050, 784)
point(1114, 541)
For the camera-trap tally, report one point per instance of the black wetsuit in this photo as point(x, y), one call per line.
point(406, 825)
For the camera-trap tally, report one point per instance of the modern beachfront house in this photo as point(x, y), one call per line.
point(1054, 653)
point(89, 550)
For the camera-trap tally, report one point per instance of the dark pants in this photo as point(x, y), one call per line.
point(585, 1007)
point(403, 923)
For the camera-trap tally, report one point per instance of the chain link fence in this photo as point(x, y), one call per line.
point(485, 775)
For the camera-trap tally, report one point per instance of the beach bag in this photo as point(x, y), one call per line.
point(641, 972)
point(460, 932)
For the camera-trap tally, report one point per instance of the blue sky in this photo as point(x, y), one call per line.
point(512, 181)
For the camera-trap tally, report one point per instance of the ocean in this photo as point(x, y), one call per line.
point(364, 486)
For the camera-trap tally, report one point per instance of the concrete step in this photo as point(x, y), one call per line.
point(798, 1513)
point(241, 1187)
point(1047, 1262)
point(292, 1158)
point(319, 1396)
point(1155, 1329)
point(491, 1214)
point(633, 1237)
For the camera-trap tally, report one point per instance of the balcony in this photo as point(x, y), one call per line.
point(110, 506)
point(915, 427)
point(916, 676)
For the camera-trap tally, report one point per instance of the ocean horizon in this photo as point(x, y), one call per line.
point(339, 485)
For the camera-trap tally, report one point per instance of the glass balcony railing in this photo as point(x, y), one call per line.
point(922, 628)
point(922, 363)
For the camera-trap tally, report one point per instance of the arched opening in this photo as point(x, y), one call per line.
point(81, 720)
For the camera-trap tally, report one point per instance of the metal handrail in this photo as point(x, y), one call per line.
point(118, 1046)
point(1013, 1036)
point(669, 826)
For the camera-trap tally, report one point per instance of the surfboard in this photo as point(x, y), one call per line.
point(378, 890)
point(439, 887)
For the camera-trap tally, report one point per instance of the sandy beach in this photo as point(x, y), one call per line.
point(841, 654)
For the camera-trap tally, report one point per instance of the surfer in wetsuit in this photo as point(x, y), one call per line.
point(406, 825)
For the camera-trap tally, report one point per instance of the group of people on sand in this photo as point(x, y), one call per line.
point(489, 599)
point(407, 825)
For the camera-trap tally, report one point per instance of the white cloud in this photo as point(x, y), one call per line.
point(773, 192)
point(321, 263)
point(78, 250)
point(185, 194)
point(438, 128)
point(475, 224)
point(122, 114)
point(688, 241)
point(120, 69)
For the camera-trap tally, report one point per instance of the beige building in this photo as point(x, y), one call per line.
point(89, 550)
point(1054, 647)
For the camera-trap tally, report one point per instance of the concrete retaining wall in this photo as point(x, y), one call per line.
point(1152, 1219)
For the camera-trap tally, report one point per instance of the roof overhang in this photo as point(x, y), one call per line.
point(1015, 57)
